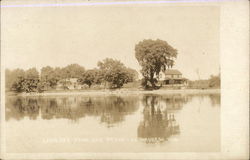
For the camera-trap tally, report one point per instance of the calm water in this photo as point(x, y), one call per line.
point(136, 123)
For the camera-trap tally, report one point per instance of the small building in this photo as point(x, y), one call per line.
point(173, 77)
point(68, 83)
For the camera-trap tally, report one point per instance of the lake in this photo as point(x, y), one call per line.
point(109, 123)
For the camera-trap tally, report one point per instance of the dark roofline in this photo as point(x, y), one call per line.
point(173, 72)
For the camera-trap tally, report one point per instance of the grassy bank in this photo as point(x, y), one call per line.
point(130, 91)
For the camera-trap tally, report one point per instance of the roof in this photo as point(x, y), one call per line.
point(177, 78)
point(172, 71)
point(73, 80)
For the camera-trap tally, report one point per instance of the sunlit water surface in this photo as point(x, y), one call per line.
point(135, 123)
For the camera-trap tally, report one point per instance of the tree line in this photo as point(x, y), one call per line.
point(154, 56)
point(109, 71)
point(213, 82)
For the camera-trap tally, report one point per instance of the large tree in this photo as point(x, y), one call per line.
point(114, 72)
point(12, 76)
point(49, 77)
point(32, 73)
point(27, 82)
point(89, 77)
point(154, 56)
point(72, 71)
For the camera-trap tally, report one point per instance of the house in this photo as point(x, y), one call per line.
point(173, 77)
point(69, 83)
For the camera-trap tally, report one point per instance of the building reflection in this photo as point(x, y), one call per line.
point(159, 121)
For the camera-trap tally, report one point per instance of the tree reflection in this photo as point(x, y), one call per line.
point(159, 111)
point(21, 107)
point(215, 99)
point(110, 110)
point(66, 107)
point(175, 101)
point(157, 124)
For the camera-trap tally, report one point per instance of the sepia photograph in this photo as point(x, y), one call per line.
point(110, 80)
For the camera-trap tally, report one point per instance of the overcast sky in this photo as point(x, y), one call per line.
point(58, 36)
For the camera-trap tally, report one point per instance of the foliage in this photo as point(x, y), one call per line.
point(11, 77)
point(132, 85)
point(26, 85)
point(49, 77)
point(154, 56)
point(115, 73)
point(111, 71)
point(72, 71)
point(22, 81)
point(198, 84)
point(32, 73)
point(214, 81)
point(132, 74)
point(89, 77)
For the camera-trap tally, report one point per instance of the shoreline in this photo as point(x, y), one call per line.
point(122, 92)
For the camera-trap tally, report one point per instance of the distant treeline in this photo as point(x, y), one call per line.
point(110, 72)
point(212, 82)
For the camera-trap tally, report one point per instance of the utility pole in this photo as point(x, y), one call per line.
point(198, 73)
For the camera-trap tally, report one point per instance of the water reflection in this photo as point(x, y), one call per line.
point(158, 110)
point(153, 121)
point(110, 109)
point(215, 99)
point(158, 123)
point(176, 101)
point(23, 107)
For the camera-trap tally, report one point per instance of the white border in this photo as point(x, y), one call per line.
point(234, 30)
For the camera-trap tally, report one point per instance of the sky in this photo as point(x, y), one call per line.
point(58, 36)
